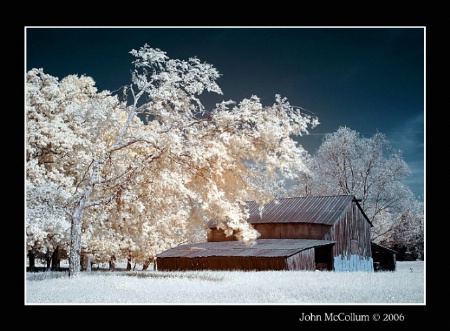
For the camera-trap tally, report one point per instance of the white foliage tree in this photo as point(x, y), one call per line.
point(66, 123)
point(404, 230)
point(368, 168)
point(163, 165)
point(272, 185)
point(47, 225)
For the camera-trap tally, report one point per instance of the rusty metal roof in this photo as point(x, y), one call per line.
point(316, 209)
point(262, 248)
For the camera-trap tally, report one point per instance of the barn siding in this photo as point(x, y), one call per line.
point(221, 263)
point(304, 260)
point(352, 251)
point(218, 235)
point(353, 263)
point(278, 231)
point(291, 230)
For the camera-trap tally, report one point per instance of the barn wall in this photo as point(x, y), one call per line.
point(221, 263)
point(303, 260)
point(293, 230)
point(218, 235)
point(352, 251)
point(279, 231)
point(353, 263)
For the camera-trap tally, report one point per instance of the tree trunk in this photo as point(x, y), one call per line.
point(48, 260)
point(75, 246)
point(83, 262)
point(129, 264)
point(88, 262)
point(31, 260)
point(77, 221)
point(56, 260)
point(112, 263)
point(146, 264)
point(75, 234)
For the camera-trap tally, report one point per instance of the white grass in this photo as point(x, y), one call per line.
point(406, 285)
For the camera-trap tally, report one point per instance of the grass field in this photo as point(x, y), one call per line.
point(406, 285)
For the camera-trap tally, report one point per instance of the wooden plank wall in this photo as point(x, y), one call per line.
point(279, 231)
point(351, 233)
point(304, 260)
point(221, 263)
point(352, 250)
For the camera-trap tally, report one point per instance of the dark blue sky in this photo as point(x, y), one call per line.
point(370, 79)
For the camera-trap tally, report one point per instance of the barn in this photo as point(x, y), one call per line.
point(265, 254)
point(298, 233)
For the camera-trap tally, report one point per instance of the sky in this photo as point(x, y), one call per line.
point(405, 285)
point(369, 79)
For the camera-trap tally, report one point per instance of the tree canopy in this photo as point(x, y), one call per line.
point(134, 174)
point(373, 171)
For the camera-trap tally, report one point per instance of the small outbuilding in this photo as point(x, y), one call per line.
point(384, 259)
